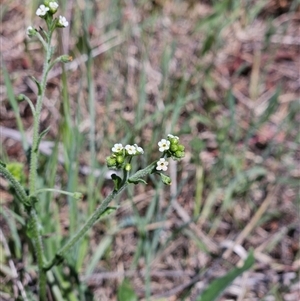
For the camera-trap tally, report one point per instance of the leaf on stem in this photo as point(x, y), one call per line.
point(108, 211)
point(41, 135)
point(136, 181)
point(117, 181)
point(38, 85)
point(217, 286)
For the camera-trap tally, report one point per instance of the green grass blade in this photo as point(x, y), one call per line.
point(14, 104)
point(126, 292)
point(220, 284)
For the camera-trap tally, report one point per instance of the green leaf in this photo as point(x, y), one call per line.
point(117, 181)
point(38, 85)
point(208, 43)
point(41, 135)
point(108, 211)
point(219, 285)
point(17, 171)
point(126, 292)
point(14, 104)
point(136, 181)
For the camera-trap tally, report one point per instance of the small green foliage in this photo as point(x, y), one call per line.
point(117, 181)
point(217, 286)
point(17, 171)
point(126, 292)
point(136, 181)
point(108, 211)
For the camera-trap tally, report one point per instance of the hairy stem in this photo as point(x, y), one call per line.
point(95, 216)
point(36, 121)
point(34, 221)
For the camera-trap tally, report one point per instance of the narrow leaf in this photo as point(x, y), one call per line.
point(136, 181)
point(126, 292)
point(219, 285)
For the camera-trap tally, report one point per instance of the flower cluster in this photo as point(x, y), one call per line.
point(120, 153)
point(49, 8)
point(171, 148)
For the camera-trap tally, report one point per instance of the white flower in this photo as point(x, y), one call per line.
point(53, 5)
point(139, 149)
point(118, 147)
point(42, 10)
point(171, 136)
point(162, 164)
point(62, 21)
point(164, 145)
point(131, 150)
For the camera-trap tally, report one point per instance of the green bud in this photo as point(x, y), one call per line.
point(128, 167)
point(120, 159)
point(31, 32)
point(181, 147)
point(179, 154)
point(174, 141)
point(173, 148)
point(66, 58)
point(111, 161)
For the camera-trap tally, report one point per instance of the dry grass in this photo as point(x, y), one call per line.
point(238, 211)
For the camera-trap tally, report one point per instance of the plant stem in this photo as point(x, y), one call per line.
point(38, 245)
point(36, 121)
point(34, 221)
point(94, 217)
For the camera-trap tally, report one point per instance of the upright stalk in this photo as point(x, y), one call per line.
point(36, 119)
point(33, 219)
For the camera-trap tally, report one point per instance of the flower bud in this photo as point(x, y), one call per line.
point(30, 31)
point(111, 161)
point(128, 167)
point(120, 159)
point(173, 148)
point(179, 154)
point(181, 147)
point(174, 141)
point(53, 6)
point(66, 58)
